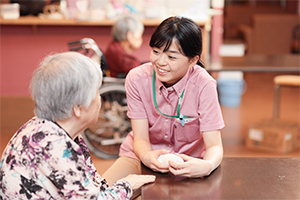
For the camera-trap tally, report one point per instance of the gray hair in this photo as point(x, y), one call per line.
point(62, 81)
point(124, 25)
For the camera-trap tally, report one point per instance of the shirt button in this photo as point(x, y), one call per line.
point(166, 120)
point(166, 136)
point(170, 145)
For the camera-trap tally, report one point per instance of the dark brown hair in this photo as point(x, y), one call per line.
point(186, 31)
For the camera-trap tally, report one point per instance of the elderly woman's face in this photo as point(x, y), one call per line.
point(135, 40)
point(93, 110)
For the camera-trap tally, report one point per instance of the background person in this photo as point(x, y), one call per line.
point(127, 35)
point(47, 157)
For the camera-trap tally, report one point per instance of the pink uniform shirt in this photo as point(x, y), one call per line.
point(200, 103)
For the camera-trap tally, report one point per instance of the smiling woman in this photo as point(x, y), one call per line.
point(168, 63)
point(173, 105)
point(171, 47)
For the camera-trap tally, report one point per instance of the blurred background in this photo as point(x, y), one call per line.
point(232, 29)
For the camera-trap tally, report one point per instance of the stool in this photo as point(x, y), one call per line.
point(280, 81)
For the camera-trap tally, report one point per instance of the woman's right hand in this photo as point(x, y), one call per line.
point(150, 160)
point(142, 146)
point(137, 181)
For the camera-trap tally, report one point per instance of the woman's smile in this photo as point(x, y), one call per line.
point(170, 65)
point(161, 71)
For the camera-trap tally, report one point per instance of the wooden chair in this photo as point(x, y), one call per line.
point(283, 81)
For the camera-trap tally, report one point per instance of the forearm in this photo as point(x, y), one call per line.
point(141, 143)
point(141, 147)
point(214, 155)
point(214, 149)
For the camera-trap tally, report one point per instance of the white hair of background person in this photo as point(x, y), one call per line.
point(124, 25)
point(62, 81)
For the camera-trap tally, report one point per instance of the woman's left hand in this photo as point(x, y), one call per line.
point(196, 167)
point(192, 167)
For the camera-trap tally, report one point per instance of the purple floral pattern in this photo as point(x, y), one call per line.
point(41, 161)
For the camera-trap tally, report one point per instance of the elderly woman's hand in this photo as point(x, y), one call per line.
point(137, 181)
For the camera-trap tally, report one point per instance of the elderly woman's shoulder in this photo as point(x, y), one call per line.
point(42, 130)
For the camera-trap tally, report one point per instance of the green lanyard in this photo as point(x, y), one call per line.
point(180, 116)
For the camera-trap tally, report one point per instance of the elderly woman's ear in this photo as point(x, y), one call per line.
point(130, 36)
point(77, 110)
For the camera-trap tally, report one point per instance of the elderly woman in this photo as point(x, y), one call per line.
point(127, 35)
point(47, 157)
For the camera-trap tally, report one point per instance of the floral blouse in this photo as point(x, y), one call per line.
point(42, 161)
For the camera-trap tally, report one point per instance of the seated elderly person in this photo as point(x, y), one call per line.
point(127, 35)
point(47, 157)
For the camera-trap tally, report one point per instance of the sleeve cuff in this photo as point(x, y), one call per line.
point(124, 185)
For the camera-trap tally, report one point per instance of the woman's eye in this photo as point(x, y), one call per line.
point(172, 57)
point(155, 51)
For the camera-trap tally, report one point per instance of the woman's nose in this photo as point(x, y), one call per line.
point(162, 60)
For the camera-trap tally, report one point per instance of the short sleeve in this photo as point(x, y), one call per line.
point(134, 87)
point(209, 109)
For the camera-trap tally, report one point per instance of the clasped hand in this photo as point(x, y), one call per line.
point(192, 167)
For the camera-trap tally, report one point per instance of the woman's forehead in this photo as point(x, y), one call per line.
point(174, 47)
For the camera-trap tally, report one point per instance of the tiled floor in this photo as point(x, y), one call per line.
point(256, 105)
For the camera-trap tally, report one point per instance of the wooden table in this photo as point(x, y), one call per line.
point(256, 63)
point(236, 178)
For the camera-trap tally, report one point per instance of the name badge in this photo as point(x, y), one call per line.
point(186, 120)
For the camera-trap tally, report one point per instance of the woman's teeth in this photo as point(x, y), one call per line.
point(161, 70)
